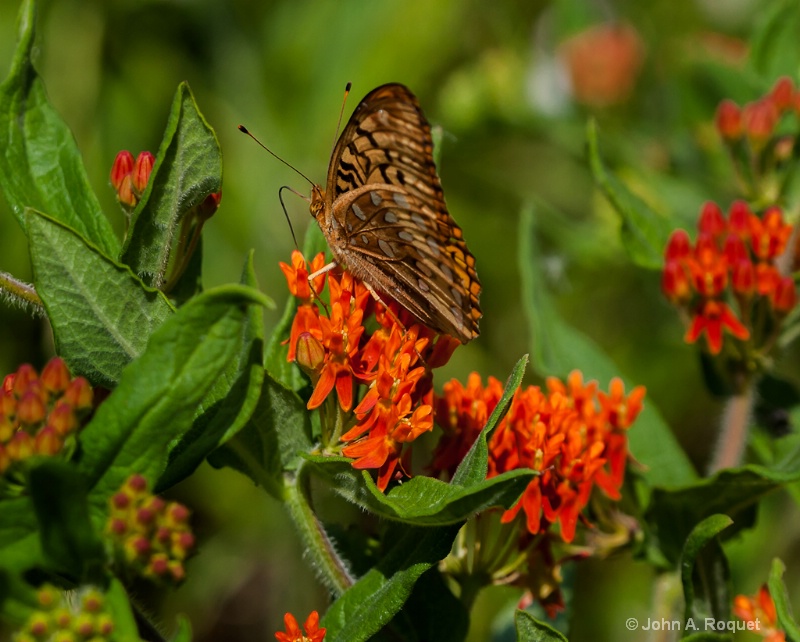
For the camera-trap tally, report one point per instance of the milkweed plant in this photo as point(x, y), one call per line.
point(463, 483)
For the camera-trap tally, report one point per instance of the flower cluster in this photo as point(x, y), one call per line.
point(294, 634)
point(129, 177)
point(59, 620)
point(149, 534)
point(760, 611)
point(40, 415)
point(355, 342)
point(573, 434)
point(760, 137)
point(733, 258)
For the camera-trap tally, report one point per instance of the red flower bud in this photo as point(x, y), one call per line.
point(209, 206)
point(55, 376)
point(782, 93)
point(310, 354)
point(760, 118)
point(785, 295)
point(122, 167)
point(117, 526)
point(735, 250)
point(121, 500)
point(739, 219)
point(20, 447)
point(79, 394)
point(744, 278)
point(31, 409)
point(675, 283)
point(125, 193)
point(711, 221)
point(62, 418)
point(159, 565)
point(679, 246)
point(141, 171)
point(137, 483)
point(728, 120)
point(47, 442)
point(25, 376)
point(8, 404)
point(84, 625)
point(177, 571)
point(93, 601)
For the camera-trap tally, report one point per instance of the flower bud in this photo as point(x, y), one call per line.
point(735, 249)
point(782, 94)
point(728, 120)
point(47, 442)
point(125, 194)
point(55, 376)
point(739, 219)
point(7, 429)
point(711, 221)
point(79, 394)
point(137, 483)
point(83, 625)
point(20, 447)
point(62, 419)
point(310, 354)
point(122, 167)
point(30, 410)
point(93, 601)
point(158, 566)
point(679, 246)
point(38, 625)
point(744, 278)
point(209, 206)
point(105, 625)
point(760, 118)
point(141, 171)
point(25, 376)
point(785, 295)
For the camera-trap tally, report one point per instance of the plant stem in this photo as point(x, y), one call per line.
point(21, 293)
point(733, 431)
point(319, 547)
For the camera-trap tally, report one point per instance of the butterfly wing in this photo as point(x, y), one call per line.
point(387, 205)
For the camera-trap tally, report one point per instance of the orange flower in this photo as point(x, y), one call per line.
point(572, 434)
point(760, 611)
point(297, 275)
point(294, 634)
point(711, 319)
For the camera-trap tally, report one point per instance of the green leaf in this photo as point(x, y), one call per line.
point(644, 232)
point(119, 607)
point(188, 168)
point(431, 612)
point(20, 546)
point(159, 393)
point(101, 313)
point(777, 589)
point(704, 572)
point(230, 403)
point(529, 629)
point(184, 630)
point(773, 46)
point(70, 543)
point(473, 468)
point(40, 166)
point(372, 602)
point(422, 501)
point(279, 428)
point(558, 348)
point(17, 599)
point(734, 492)
point(275, 357)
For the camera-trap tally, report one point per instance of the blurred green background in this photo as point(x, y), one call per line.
point(493, 76)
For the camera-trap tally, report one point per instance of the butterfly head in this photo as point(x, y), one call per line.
point(317, 201)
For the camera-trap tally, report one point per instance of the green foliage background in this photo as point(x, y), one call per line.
point(111, 68)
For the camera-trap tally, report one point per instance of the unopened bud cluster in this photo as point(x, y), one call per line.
point(761, 137)
point(57, 620)
point(129, 177)
point(150, 535)
point(39, 414)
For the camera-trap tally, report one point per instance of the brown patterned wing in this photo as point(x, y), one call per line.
point(386, 220)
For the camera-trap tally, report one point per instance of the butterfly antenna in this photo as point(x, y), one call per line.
point(244, 130)
point(286, 214)
point(341, 113)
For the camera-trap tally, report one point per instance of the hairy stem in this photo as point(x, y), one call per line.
point(21, 293)
point(733, 431)
point(325, 559)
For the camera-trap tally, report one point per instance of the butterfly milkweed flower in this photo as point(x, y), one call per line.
point(729, 276)
point(573, 434)
point(380, 377)
point(760, 614)
point(293, 633)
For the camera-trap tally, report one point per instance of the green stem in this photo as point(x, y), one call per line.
point(666, 593)
point(21, 293)
point(733, 431)
point(318, 545)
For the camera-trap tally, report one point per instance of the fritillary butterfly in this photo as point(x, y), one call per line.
point(385, 219)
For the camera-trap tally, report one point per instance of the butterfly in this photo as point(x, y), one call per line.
point(383, 215)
